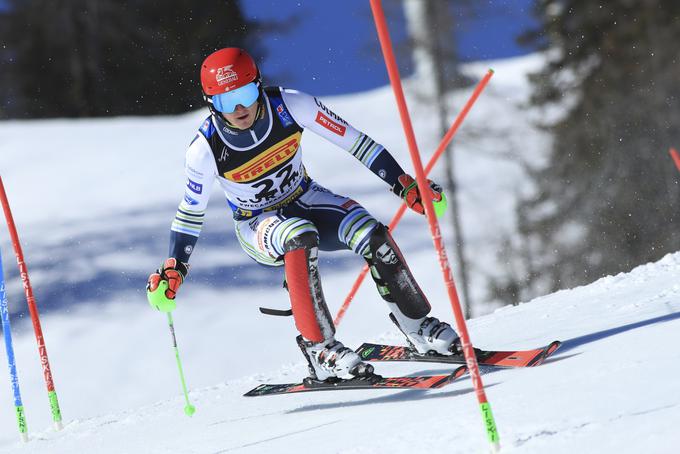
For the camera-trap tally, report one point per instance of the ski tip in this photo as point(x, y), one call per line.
point(554, 345)
point(262, 389)
point(446, 379)
point(253, 392)
point(459, 372)
point(548, 350)
point(551, 348)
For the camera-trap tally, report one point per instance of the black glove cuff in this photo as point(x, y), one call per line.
point(396, 189)
point(183, 268)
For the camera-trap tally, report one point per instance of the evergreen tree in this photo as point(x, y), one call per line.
point(106, 57)
point(609, 199)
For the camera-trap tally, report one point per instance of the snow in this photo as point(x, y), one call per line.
point(94, 199)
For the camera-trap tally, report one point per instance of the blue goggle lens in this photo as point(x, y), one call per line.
point(245, 95)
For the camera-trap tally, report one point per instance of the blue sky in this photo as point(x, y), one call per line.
point(334, 48)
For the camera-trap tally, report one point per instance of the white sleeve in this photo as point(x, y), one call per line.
point(310, 113)
point(200, 170)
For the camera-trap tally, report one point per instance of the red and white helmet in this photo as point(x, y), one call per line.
point(226, 70)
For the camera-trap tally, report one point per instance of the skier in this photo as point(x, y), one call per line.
point(250, 144)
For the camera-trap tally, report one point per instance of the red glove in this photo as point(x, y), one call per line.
point(407, 188)
point(172, 271)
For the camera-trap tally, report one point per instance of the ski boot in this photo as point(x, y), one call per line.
point(331, 361)
point(430, 336)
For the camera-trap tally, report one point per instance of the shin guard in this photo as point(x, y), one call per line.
point(312, 317)
point(395, 282)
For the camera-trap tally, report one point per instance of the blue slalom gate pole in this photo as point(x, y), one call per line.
point(6, 330)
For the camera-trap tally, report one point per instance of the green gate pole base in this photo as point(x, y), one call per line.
point(56, 412)
point(491, 430)
point(21, 421)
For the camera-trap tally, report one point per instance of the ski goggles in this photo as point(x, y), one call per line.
point(245, 96)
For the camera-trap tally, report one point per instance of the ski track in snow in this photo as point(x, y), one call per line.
point(93, 216)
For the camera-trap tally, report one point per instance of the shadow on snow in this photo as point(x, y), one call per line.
point(404, 396)
point(571, 344)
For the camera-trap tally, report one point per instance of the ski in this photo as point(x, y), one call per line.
point(370, 382)
point(513, 358)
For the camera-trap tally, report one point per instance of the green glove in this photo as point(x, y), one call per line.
point(162, 286)
point(158, 300)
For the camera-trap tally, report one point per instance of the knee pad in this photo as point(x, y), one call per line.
point(393, 277)
point(306, 240)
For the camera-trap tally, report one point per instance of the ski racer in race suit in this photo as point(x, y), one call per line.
point(250, 145)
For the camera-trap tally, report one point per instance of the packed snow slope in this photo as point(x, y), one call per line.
point(612, 387)
point(93, 201)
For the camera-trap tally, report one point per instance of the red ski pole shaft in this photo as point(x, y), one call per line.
point(470, 358)
point(433, 160)
point(676, 157)
point(32, 308)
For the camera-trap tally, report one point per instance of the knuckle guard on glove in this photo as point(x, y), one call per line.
point(152, 283)
point(172, 271)
point(407, 189)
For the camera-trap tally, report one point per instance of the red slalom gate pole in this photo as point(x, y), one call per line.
point(676, 157)
point(433, 160)
point(470, 359)
point(33, 309)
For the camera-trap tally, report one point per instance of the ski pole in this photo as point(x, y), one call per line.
point(158, 300)
point(676, 157)
point(470, 358)
point(33, 309)
point(7, 331)
point(188, 408)
point(402, 209)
